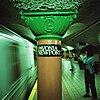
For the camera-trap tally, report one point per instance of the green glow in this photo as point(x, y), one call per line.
point(46, 5)
point(50, 37)
point(48, 23)
point(48, 13)
point(48, 19)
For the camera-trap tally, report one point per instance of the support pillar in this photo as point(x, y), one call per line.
point(49, 70)
point(48, 20)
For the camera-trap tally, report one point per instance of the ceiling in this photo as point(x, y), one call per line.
point(85, 28)
point(10, 18)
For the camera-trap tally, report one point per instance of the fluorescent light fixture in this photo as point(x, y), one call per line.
point(69, 47)
point(64, 49)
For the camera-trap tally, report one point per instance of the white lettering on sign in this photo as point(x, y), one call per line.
point(49, 50)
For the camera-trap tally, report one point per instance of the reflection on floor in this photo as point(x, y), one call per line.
point(73, 83)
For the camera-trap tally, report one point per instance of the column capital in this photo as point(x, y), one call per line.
point(50, 25)
point(47, 5)
point(48, 19)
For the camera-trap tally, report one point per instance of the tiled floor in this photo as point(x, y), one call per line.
point(73, 82)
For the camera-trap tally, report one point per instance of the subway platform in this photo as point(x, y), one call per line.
point(73, 87)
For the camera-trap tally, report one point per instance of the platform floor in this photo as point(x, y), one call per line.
point(72, 83)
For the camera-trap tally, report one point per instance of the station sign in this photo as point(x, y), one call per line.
point(49, 50)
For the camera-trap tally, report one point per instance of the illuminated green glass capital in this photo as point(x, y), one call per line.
point(48, 24)
point(48, 18)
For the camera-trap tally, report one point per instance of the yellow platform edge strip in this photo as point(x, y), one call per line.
point(33, 91)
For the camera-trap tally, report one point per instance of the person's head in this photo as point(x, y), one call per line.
point(90, 53)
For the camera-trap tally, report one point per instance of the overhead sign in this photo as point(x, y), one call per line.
point(49, 50)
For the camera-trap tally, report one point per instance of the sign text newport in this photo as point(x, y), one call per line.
point(49, 50)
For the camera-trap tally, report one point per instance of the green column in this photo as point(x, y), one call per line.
point(49, 27)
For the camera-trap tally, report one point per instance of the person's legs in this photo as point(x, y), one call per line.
point(87, 83)
point(72, 67)
point(92, 85)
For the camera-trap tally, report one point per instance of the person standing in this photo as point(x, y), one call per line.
point(71, 57)
point(89, 74)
